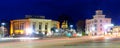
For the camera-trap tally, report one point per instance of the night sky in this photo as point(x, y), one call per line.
point(76, 9)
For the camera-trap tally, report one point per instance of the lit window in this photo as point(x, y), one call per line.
point(95, 25)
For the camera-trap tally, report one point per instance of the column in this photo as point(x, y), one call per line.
point(49, 27)
point(43, 26)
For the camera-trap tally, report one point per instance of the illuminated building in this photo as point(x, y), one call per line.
point(99, 25)
point(64, 25)
point(32, 25)
point(116, 30)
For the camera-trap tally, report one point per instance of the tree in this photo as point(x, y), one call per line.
point(81, 26)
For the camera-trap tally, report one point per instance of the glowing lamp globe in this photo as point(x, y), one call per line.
point(68, 35)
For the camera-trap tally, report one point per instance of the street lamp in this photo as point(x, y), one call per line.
point(71, 26)
point(3, 24)
point(56, 30)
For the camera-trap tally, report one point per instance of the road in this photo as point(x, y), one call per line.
point(41, 43)
point(101, 43)
point(83, 42)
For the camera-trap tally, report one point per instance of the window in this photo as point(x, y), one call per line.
point(95, 25)
point(100, 20)
point(40, 25)
point(101, 29)
point(16, 25)
point(22, 25)
point(46, 26)
point(100, 24)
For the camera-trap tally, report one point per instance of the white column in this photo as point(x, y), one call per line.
point(37, 27)
point(43, 26)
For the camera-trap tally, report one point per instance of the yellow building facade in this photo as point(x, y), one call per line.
point(116, 30)
point(30, 25)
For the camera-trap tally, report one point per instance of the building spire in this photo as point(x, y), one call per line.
point(64, 24)
point(99, 12)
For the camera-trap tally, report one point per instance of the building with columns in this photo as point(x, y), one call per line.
point(32, 25)
point(99, 25)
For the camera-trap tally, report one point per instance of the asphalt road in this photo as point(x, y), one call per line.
point(83, 42)
point(41, 43)
point(103, 43)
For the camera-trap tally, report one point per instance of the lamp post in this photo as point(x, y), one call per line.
point(3, 24)
point(71, 26)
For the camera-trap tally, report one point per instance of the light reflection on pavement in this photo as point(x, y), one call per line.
point(113, 43)
point(108, 43)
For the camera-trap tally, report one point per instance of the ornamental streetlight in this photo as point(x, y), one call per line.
point(71, 26)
